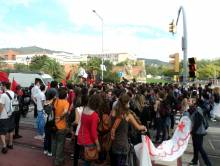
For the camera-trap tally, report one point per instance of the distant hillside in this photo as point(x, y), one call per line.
point(28, 50)
point(153, 62)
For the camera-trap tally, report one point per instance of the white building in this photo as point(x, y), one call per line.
point(113, 57)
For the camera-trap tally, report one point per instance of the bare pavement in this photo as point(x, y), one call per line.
point(29, 151)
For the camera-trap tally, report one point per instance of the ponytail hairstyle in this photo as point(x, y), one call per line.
point(123, 109)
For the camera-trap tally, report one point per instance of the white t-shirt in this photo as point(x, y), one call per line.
point(5, 100)
point(34, 91)
point(79, 110)
point(40, 97)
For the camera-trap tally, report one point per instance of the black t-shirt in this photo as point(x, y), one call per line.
point(51, 93)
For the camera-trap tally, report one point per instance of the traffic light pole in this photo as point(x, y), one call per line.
point(184, 45)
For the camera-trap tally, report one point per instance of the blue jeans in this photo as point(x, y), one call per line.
point(40, 122)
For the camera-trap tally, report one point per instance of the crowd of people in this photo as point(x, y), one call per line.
point(105, 119)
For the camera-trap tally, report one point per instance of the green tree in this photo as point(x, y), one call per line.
point(2, 63)
point(21, 67)
point(37, 62)
point(111, 77)
point(53, 68)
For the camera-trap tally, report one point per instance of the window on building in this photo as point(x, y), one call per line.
point(6, 57)
point(13, 57)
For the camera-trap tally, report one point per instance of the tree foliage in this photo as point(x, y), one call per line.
point(94, 65)
point(37, 62)
point(53, 68)
point(47, 65)
point(21, 67)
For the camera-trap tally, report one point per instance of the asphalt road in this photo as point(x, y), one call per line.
point(212, 144)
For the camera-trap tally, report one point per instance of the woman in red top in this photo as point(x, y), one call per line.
point(88, 135)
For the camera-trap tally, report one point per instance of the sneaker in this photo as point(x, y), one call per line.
point(49, 154)
point(39, 137)
point(45, 152)
point(10, 146)
point(193, 163)
point(213, 119)
point(72, 156)
point(4, 150)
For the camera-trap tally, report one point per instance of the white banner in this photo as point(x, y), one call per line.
point(169, 150)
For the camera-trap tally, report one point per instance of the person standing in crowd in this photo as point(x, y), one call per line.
point(40, 99)
point(61, 107)
point(34, 91)
point(77, 123)
point(215, 113)
point(52, 91)
point(7, 123)
point(18, 110)
point(88, 135)
point(198, 132)
point(120, 145)
point(51, 95)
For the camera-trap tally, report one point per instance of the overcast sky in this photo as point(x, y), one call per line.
point(134, 26)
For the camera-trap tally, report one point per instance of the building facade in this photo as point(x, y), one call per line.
point(113, 57)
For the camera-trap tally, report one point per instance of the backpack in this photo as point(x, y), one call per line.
point(50, 121)
point(205, 123)
point(204, 119)
point(10, 111)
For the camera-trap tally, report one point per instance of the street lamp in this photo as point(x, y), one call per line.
point(184, 43)
point(27, 60)
point(102, 67)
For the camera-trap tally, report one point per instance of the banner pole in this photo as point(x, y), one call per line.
point(179, 161)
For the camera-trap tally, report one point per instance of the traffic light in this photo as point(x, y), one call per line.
point(192, 67)
point(172, 27)
point(175, 62)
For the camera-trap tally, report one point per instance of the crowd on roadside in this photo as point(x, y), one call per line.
point(104, 119)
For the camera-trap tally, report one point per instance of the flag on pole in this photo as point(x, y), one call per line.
point(14, 84)
point(68, 75)
point(103, 67)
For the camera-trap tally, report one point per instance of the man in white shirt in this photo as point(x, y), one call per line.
point(40, 99)
point(7, 123)
point(34, 91)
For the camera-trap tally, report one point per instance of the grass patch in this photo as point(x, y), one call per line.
point(153, 80)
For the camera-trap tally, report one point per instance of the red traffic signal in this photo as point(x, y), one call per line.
point(192, 67)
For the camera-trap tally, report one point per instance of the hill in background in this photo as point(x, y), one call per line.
point(38, 50)
point(154, 62)
point(29, 50)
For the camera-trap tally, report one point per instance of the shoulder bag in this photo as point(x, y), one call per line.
point(90, 152)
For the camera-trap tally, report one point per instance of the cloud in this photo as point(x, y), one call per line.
point(114, 12)
point(25, 3)
point(140, 27)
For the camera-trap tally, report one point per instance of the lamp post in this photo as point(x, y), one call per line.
point(184, 43)
point(102, 67)
point(27, 60)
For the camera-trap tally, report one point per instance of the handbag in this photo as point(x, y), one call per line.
point(90, 152)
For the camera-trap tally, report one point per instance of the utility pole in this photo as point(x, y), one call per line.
point(184, 44)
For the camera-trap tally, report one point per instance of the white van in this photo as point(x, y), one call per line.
point(26, 79)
